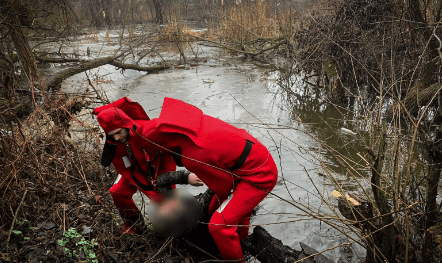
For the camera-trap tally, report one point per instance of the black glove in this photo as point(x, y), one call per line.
point(165, 181)
point(109, 150)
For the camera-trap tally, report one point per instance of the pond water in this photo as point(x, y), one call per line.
point(245, 94)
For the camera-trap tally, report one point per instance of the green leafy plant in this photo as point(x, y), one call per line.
point(16, 232)
point(73, 243)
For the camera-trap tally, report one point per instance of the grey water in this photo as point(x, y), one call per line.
point(247, 95)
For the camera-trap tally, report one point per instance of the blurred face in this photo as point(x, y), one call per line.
point(119, 134)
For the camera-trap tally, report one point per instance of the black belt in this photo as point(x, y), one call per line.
point(243, 157)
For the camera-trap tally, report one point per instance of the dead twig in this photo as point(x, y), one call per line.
point(15, 218)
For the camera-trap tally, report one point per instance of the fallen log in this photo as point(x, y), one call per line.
point(268, 249)
point(54, 82)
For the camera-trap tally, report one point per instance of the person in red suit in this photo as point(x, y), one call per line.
point(232, 163)
point(135, 159)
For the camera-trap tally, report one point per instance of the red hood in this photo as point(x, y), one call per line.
point(119, 114)
point(113, 118)
point(132, 109)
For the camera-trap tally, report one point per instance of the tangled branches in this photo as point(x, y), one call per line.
point(368, 41)
point(39, 155)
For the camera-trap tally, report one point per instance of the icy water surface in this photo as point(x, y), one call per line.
point(247, 96)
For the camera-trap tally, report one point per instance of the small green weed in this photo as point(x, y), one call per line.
point(73, 243)
point(16, 232)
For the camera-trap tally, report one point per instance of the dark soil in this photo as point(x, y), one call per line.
point(43, 241)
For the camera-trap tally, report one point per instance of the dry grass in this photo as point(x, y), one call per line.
point(247, 24)
point(242, 23)
point(171, 31)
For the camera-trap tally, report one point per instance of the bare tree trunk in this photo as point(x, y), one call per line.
point(158, 12)
point(94, 9)
point(423, 33)
point(180, 43)
point(21, 45)
point(384, 238)
point(435, 167)
point(106, 7)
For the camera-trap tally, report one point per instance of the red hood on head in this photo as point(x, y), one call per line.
point(132, 109)
point(119, 114)
point(113, 118)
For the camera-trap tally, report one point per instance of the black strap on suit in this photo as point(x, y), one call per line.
point(243, 157)
point(148, 175)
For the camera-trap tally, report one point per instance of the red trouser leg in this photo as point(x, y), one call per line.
point(122, 192)
point(243, 227)
point(223, 224)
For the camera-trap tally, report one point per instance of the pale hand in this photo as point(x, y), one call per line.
point(194, 180)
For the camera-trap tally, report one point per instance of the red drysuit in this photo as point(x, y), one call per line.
point(207, 143)
point(116, 115)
